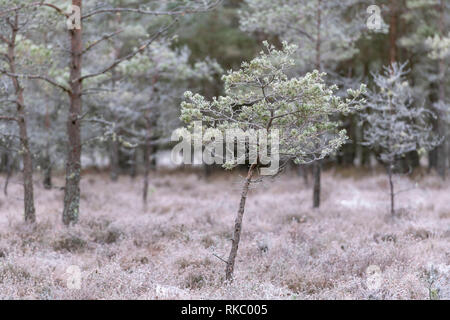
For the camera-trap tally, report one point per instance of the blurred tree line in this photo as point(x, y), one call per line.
point(138, 61)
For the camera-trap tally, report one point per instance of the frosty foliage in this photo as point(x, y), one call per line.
point(148, 88)
point(440, 47)
point(395, 123)
point(261, 96)
point(165, 252)
point(307, 23)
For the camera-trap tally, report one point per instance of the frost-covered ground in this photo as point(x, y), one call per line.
point(348, 249)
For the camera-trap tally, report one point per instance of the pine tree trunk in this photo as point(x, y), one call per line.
point(30, 214)
point(393, 31)
point(47, 171)
point(316, 194)
point(147, 153)
point(441, 163)
point(133, 165)
point(73, 165)
point(238, 225)
point(114, 161)
point(47, 158)
point(317, 164)
point(432, 159)
point(29, 210)
point(8, 169)
point(147, 164)
point(391, 185)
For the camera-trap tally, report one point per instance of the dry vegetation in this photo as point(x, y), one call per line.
point(287, 251)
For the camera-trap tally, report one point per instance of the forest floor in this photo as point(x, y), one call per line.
point(350, 248)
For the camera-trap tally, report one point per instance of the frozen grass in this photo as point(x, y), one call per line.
point(287, 250)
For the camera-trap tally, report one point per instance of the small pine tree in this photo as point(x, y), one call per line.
point(396, 124)
point(261, 96)
point(322, 30)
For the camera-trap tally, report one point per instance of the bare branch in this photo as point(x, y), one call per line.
point(35, 4)
point(39, 77)
point(179, 12)
point(105, 37)
point(129, 56)
point(6, 118)
point(215, 255)
point(4, 39)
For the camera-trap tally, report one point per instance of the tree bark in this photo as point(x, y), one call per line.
point(133, 164)
point(393, 31)
point(8, 169)
point(238, 225)
point(114, 160)
point(115, 147)
point(30, 214)
point(441, 163)
point(29, 210)
point(146, 172)
point(317, 168)
point(47, 171)
point(317, 164)
point(391, 185)
point(73, 165)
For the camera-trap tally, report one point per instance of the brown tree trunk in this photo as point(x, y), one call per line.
point(146, 172)
point(391, 185)
point(115, 147)
point(8, 169)
point(238, 225)
point(30, 215)
point(73, 165)
point(393, 31)
point(47, 171)
point(133, 165)
point(114, 160)
point(317, 164)
point(29, 210)
point(441, 163)
point(47, 158)
point(317, 168)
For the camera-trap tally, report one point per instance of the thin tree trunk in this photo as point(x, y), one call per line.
point(115, 147)
point(30, 214)
point(441, 125)
point(146, 172)
point(133, 164)
point(317, 164)
point(238, 225)
point(73, 165)
point(114, 160)
point(317, 168)
point(393, 31)
point(391, 185)
point(47, 171)
point(148, 143)
point(29, 210)
point(8, 173)
point(47, 157)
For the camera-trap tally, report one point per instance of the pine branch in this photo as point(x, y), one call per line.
point(129, 56)
point(34, 4)
point(6, 118)
point(179, 12)
point(105, 37)
point(36, 77)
